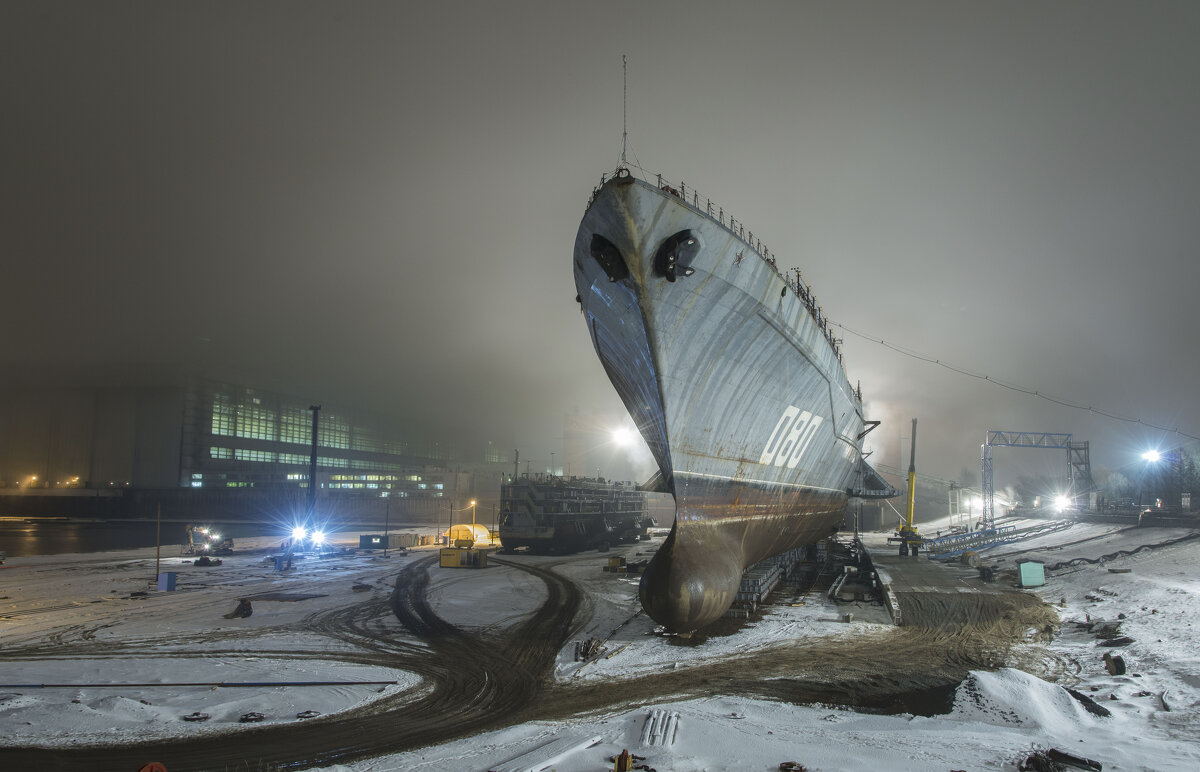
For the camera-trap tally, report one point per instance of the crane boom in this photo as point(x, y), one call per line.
point(910, 540)
point(912, 482)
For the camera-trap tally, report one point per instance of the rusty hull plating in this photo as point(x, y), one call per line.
point(733, 381)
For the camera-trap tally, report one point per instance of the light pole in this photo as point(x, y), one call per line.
point(312, 464)
point(472, 516)
point(552, 463)
point(1151, 457)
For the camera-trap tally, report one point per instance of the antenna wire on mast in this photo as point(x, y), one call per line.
point(624, 106)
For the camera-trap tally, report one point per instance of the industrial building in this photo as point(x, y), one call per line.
point(65, 433)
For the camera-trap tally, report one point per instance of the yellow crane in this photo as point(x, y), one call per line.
point(909, 539)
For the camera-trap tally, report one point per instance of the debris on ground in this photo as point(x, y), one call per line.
point(197, 716)
point(1054, 760)
point(589, 649)
point(308, 714)
point(1070, 760)
point(1039, 761)
point(1115, 665)
point(360, 587)
point(1101, 628)
point(626, 762)
point(792, 766)
point(1090, 705)
point(251, 718)
point(205, 560)
point(660, 727)
point(243, 610)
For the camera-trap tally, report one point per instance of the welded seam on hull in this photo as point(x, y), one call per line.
point(786, 334)
point(769, 483)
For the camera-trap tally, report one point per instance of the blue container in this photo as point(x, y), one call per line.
point(166, 581)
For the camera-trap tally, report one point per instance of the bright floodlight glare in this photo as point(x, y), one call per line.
point(1151, 455)
point(318, 537)
point(622, 436)
point(299, 532)
point(1061, 503)
point(214, 536)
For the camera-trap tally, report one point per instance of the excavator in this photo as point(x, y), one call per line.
point(202, 540)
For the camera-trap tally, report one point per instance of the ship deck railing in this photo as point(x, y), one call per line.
point(573, 483)
point(792, 278)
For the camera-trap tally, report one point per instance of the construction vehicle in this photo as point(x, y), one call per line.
point(203, 540)
point(908, 537)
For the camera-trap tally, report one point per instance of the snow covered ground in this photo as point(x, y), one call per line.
point(997, 720)
point(997, 717)
point(80, 620)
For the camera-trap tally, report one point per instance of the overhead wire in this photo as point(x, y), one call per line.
point(1012, 386)
point(902, 349)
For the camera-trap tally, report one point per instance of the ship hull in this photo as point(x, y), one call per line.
point(733, 382)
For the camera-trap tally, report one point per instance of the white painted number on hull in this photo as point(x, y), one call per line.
point(793, 433)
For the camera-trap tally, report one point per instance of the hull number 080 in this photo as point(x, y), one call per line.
point(793, 434)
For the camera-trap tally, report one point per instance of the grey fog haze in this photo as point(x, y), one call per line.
point(376, 203)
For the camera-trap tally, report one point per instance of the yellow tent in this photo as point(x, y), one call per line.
point(476, 533)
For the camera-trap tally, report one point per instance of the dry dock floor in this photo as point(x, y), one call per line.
point(915, 575)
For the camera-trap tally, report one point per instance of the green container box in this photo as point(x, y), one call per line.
point(1033, 573)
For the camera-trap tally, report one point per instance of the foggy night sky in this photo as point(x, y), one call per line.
point(376, 203)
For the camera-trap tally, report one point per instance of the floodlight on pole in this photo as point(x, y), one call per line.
point(1152, 456)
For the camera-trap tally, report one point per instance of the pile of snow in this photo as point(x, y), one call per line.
point(1010, 697)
